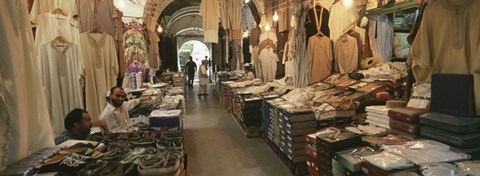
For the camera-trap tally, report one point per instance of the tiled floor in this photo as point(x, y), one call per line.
point(217, 146)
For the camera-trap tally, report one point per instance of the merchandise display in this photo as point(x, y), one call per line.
point(332, 87)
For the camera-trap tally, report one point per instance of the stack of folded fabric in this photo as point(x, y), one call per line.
point(330, 143)
point(293, 128)
point(249, 113)
point(348, 162)
point(461, 132)
point(404, 121)
point(139, 79)
point(378, 115)
point(179, 80)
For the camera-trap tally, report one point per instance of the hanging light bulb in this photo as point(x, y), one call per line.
point(245, 34)
point(121, 4)
point(247, 1)
point(275, 17)
point(159, 29)
point(348, 3)
point(267, 27)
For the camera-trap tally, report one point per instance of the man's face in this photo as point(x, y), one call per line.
point(118, 95)
point(86, 124)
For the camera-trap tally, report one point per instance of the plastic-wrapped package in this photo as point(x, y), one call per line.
point(425, 151)
point(470, 167)
point(388, 161)
point(421, 96)
point(441, 169)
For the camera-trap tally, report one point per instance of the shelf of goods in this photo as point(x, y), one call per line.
point(247, 112)
point(284, 132)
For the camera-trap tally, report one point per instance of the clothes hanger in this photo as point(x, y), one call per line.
point(95, 30)
point(60, 39)
point(318, 20)
point(59, 11)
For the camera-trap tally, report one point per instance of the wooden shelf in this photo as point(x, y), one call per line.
point(397, 7)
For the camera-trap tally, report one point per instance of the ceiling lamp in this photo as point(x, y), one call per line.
point(267, 27)
point(247, 1)
point(348, 4)
point(121, 4)
point(275, 17)
point(159, 29)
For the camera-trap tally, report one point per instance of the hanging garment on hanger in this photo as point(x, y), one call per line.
point(21, 86)
point(255, 36)
point(234, 13)
point(101, 68)
point(268, 35)
point(135, 53)
point(268, 61)
point(45, 6)
point(5, 133)
point(224, 17)
point(320, 58)
point(153, 50)
point(248, 23)
point(50, 26)
point(381, 37)
point(136, 67)
point(96, 13)
point(317, 16)
point(61, 73)
point(340, 18)
point(210, 12)
point(346, 54)
point(448, 42)
point(301, 54)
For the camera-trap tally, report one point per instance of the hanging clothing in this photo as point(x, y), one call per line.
point(448, 42)
point(340, 19)
point(61, 72)
point(346, 54)
point(287, 56)
point(327, 4)
point(234, 13)
point(21, 87)
point(256, 62)
point(101, 68)
point(224, 17)
point(5, 133)
point(96, 13)
point(380, 31)
point(210, 12)
point(301, 64)
point(135, 41)
point(45, 6)
point(268, 61)
point(135, 53)
point(322, 19)
point(50, 26)
point(268, 35)
point(119, 43)
point(136, 67)
point(248, 23)
point(255, 36)
point(153, 50)
point(134, 25)
point(260, 4)
point(284, 18)
point(359, 40)
point(320, 58)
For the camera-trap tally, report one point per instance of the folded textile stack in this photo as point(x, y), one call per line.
point(348, 162)
point(404, 121)
point(293, 128)
point(179, 80)
point(378, 115)
point(248, 114)
point(460, 132)
point(329, 143)
point(165, 118)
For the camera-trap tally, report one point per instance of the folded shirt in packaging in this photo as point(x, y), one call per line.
point(388, 161)
point(425, 151)
point(165, 113)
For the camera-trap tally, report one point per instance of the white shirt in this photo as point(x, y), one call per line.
point(117, 119)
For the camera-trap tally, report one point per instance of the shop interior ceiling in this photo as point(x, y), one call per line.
point(165, 13)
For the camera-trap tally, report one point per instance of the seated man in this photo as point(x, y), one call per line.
point(248, 75)
point(116, 112)
point(78, 124)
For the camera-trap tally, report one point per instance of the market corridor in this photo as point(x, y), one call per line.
point(217, 146)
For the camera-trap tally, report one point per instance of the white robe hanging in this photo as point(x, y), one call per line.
point(62, 71)
point(20, 84)
point(210, 12)
point(101, 68)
